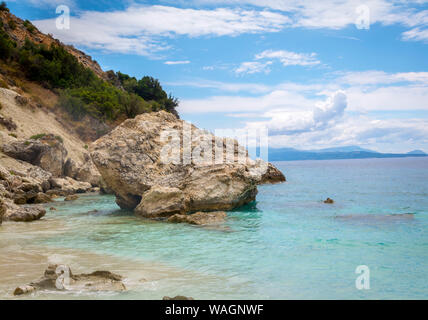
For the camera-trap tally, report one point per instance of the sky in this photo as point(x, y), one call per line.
point(317, 74)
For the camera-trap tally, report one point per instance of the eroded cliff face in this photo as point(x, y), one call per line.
point(157, 166)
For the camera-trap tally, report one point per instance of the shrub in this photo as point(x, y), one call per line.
point(12, 24)
point(38, 136)
point(13, 135)
point(29, 26)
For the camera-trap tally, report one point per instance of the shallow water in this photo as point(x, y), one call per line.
point(287, 245)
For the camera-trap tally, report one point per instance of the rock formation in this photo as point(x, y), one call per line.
point(47, 152)
point(329, 201)
point(161, 166)
point(96, 281)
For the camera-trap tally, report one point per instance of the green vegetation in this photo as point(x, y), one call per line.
point(38, 136)
point(13, 135)
point(30, 27)
point(149, 89)
point(81, 92)
point(59, 138)
point(12, 24)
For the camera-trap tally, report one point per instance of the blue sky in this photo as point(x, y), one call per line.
point(316, 73)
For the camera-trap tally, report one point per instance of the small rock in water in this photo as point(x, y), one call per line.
point(199, 218)
point(52, 209)
point(329, 201)
point(178, 298)
point(71, 198)
point(23, 290)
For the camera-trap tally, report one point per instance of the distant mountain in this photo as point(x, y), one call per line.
point(343, 149)
point(417, 152)
point(349, 152)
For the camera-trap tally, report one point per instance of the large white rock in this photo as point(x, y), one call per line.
point(131, 160)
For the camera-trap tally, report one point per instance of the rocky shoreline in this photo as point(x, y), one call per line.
point(129, 163)
point(43, 174)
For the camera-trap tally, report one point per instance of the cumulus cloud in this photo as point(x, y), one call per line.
point(299, 115)
point(324, 115)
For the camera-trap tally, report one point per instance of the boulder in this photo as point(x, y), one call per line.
point(161, 201)
point(47, 152)
point(86, 171)
point(272, 175)
point(61, 278)
point(17, 213)
point(67, 186)
point(133, 161)
point(8, 123)
point(199, 218)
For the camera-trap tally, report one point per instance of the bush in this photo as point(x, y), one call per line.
point(81, 91)
point(38, 136)
point(29, 26)
point(3, 6)
point(12, 24)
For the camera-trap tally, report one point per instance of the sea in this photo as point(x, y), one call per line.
point(372, 243)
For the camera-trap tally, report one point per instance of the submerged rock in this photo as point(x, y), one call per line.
point(71, 198)
point(131, 160)
point(199, 218)
point(60, 277)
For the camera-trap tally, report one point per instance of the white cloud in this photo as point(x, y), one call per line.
point(339, 14)
point(49, 3)
point(416, 34)
point(322, 116)
point(223, 86)
point(288, 58)
point(134, 29)
point(177, 62)
point(253, 67)
point(299, 116)
point(375, 77)
point(278, 99)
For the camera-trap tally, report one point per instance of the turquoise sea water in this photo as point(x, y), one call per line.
point(287, 245)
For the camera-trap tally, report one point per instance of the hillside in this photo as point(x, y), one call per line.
point(61, 79)
point(54, 101)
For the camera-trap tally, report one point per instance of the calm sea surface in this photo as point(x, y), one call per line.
point(287, 245)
